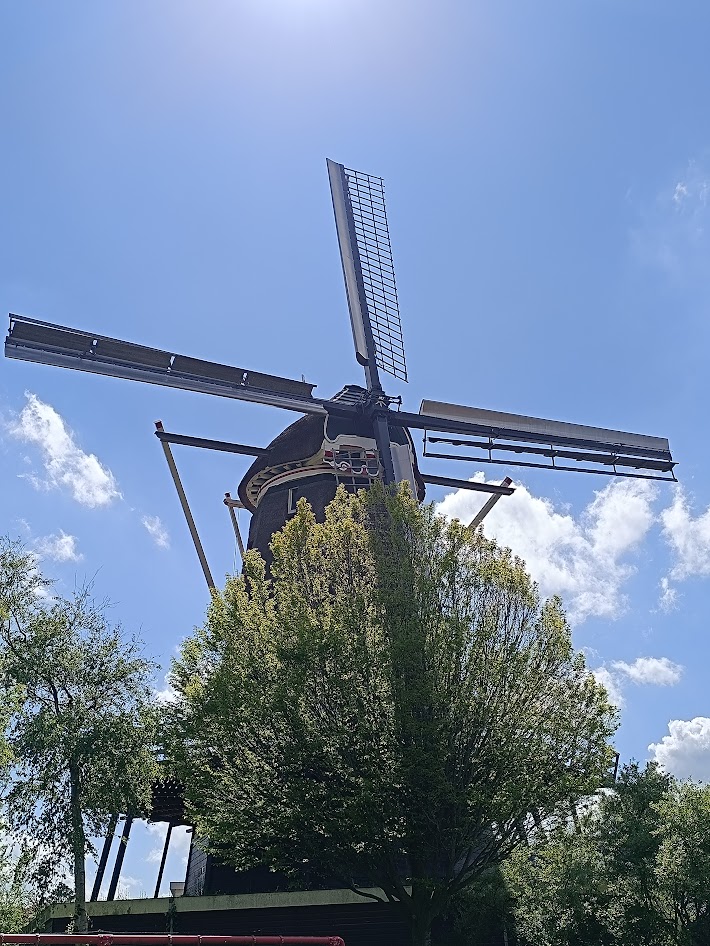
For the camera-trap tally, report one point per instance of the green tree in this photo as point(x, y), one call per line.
point(478, 916)
point(637, 870)
point(24, 894)
point(385, 707)
point(17, 899)
point(82, 729)
point(682, 863)
point(624, 831)
point(560, 891)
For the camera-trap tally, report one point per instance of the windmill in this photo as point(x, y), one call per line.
point(361, 433)
point(357, 436)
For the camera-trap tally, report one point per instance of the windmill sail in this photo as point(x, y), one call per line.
point(48, 344)
point(366, 253)
point(549, 444)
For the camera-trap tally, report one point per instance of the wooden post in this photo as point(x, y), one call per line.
point(120, 854)
point(163, 859)
point(103, 859)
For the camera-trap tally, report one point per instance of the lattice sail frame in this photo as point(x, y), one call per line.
point(366, 195)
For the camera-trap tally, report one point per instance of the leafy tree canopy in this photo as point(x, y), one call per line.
point(80, 732)
point(385, 708)
point(636, 871)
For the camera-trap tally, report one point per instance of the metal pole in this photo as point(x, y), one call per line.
point(186, 508)
point(231, 504)
point(382, 438)
point(103, 859)
point(162, 860)
point(205, 444)
point(616, 766)
point(161, 939)
point(120, 854)
point(451, 482)
point(486, 508)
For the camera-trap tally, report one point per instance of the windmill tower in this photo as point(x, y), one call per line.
point(310, 459)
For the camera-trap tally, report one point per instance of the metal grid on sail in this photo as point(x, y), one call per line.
point(367, 201)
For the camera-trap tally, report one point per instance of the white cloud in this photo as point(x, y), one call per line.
point(130, 888)
point(178, 850)
point(680, 193)
point(583, 559)
point(158, 830)
point(60, 548)
point(611, 684)
point(167, 694)
point(673, 230)
point(653, 671)
point(180, 843)
point(66, 464)
point(688, 537)
point(157, 531)
point(659, 671)
point(685, 752)
point(669, 595)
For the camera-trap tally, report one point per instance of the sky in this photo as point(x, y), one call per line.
point(547, 165)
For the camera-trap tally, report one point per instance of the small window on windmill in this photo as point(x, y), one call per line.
point(294, 494)
point(355, 467)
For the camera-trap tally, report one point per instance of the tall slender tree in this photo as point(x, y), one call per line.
point(82, 727)
point(386, 707)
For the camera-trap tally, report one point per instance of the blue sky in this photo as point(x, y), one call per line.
point(548, 183)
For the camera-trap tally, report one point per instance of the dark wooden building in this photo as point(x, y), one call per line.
point(360, 922)
point(310, 459)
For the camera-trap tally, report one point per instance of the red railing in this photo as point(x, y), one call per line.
point(164, 939)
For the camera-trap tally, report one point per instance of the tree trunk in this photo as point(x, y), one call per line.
point(421, 915)
point(421, 932)
point(78, 841)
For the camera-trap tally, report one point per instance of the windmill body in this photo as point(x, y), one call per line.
point(310, 459)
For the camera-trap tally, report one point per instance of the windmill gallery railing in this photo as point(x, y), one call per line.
point(165, 939)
